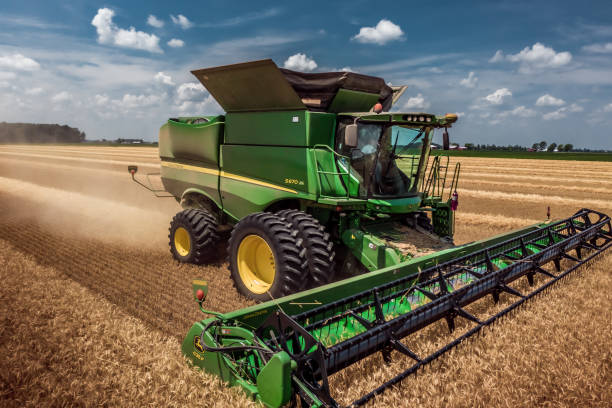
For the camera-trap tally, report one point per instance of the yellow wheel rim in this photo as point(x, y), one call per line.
point(256, 264)
point(182, 241)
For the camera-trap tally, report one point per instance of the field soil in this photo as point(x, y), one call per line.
point(93, 307)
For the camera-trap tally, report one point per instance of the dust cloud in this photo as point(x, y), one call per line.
point(77, 214)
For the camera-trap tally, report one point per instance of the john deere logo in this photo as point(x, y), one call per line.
point(197, 344)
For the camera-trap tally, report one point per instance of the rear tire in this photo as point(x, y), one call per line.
point(266, 257)
point(319, 249)
point(193, 236)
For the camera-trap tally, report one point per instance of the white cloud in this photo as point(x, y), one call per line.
point(522, 112)
point(549, 100)
point(416, 102)
point(346, 69)
point(575, 108)
point(562, 112)
point(7, 75)
point(164, 79)
point(241, 19)
point(154, 21)
point(34, 91)
point(599, 48)
point(176, 43)
point(608, 108)
point(182, 21)
point(497, 97)
point(18, 62)
point(109, 33)
point(498, 57)
point(558, 114)
point(101, 100)
point(384, 32)
point(130, 101)
point(61, 97)
point(189, 91)
point(470, 81)
point(193, 108)
point(538, 57)
point(300, 62)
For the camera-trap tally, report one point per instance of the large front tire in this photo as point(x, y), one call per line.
point(193, 236)
point(266, 257)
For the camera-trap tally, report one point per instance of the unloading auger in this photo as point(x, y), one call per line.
point(287, 348)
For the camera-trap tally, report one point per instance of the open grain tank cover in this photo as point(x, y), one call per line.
point(262, 86)
point(250, 86)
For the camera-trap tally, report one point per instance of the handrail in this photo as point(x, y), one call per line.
point(338, 173)
point(455, 181)
point(435, 185)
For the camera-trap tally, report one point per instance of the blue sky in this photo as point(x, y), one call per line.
point(517, 72)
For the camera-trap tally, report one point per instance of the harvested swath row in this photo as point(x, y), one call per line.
point(65, 345)
point(603, 175)
point(153, 155)
point(552, 190)
point(145, 283)
point(562, 166)
point(506, 185)
point(537, 198)
point(554, 351)
point(517, 209)
point(493, 220)
point(510, 176)
point(88, 160)
point(492, 161)
point(101, 149)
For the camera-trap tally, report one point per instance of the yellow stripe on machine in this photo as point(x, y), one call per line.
point(226, 175)
point(205, 170)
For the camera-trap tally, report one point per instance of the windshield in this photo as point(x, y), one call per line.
point(387, 159)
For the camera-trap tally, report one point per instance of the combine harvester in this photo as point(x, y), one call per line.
point(320, 184)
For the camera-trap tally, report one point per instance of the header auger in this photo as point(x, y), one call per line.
point(320, 190)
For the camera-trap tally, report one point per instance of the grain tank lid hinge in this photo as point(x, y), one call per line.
point(250, 86)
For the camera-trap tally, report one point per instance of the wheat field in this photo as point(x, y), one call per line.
point(93, 307)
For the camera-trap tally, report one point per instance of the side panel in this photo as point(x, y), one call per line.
point(254, 177)
point(285, 128)
point(180, 176)
point(321, 128)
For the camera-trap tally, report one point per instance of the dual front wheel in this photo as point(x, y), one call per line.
point(270, 255)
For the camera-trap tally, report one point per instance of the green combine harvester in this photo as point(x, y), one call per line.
point(326, 198)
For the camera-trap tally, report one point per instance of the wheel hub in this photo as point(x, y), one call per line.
point(182, 241)
point(256, 264)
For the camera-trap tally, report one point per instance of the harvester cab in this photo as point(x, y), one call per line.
point(350, 184)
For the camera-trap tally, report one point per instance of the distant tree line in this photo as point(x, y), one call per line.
point(541, 147)
point(39, 133)
point(544, 146)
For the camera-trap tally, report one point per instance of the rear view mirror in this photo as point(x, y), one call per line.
point(445, 140)
point(350, 135)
